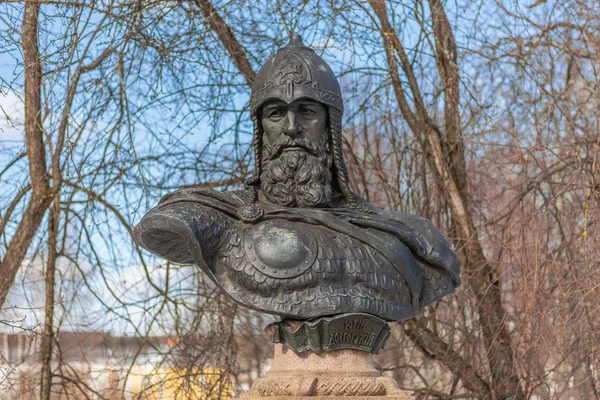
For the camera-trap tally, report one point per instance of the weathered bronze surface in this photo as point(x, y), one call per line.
point(355, 331)
point(297, 242)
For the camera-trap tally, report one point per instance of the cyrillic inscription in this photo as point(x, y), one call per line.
point(357, 324)
point(345, 331)
point(355, 338)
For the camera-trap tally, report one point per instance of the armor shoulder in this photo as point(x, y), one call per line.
point(427, 242)
point(183, 233)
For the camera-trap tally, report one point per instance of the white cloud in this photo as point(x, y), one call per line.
point(12, 117)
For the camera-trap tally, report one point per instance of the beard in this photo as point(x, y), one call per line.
point(297, 177)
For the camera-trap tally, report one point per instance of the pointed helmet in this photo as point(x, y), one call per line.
point(295, 72)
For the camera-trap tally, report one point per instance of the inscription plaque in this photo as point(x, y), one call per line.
point(356, 331)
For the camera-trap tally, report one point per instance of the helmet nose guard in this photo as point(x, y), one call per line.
point(295, 72)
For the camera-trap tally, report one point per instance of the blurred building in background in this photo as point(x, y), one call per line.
point(96, 365)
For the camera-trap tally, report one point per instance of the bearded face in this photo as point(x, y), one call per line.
point(296, 167)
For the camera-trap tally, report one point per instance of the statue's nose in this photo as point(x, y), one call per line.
point(292, 129)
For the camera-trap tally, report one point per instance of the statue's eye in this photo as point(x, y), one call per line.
point(275, 113)
point(305, 110)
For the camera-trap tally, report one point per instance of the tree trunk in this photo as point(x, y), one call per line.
point(48, 337)
point(41, 196)
point(449, 168)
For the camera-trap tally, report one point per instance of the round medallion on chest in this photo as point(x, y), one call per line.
point(280, 248)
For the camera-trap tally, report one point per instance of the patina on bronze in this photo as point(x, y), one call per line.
point(355, 331)
point(297, 242)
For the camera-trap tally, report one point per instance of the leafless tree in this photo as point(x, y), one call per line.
point(482, 116)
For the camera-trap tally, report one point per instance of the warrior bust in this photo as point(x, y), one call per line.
point(297, 242)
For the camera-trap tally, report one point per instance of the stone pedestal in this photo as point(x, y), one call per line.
point(339, 374)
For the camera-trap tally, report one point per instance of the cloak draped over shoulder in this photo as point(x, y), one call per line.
point(202, 227)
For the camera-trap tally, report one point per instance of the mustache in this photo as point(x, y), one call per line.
point(275, 149)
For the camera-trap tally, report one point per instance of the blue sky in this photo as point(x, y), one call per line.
point(164, 121)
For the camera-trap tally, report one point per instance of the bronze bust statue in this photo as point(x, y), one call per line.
point(297, 242)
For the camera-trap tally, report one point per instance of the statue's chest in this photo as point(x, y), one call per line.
point(281, 248)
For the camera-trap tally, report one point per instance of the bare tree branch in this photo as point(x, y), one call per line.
point(41, 195)
point(228, 40)
point(433, 345)
point(481, 275)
